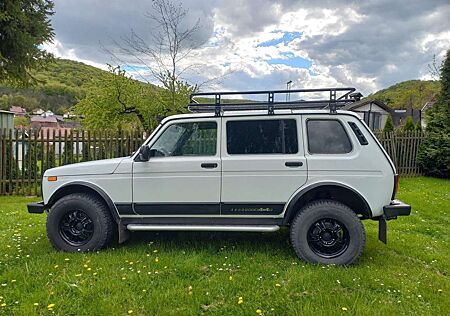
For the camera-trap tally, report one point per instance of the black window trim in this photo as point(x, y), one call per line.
point(327, 119)
point(358, 133)
point(177, 121)
point(265, 119)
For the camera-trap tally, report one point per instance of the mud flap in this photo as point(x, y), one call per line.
point(382, 230)
point(124, 234)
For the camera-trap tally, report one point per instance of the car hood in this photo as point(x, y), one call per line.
point(86, 168)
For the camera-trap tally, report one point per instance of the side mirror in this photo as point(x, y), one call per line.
point(144, 153)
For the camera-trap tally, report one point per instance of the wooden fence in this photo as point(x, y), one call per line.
point(26, 154)
point(402, 147)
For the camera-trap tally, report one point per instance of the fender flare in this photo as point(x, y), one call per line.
point(57, 194)
point(291, 210)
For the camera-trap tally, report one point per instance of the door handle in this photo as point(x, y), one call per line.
point(209, 165)
point(293, 163)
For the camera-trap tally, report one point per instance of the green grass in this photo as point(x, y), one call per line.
point(206, 273)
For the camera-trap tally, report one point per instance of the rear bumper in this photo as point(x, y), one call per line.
point(396, 208)
point(36, 208)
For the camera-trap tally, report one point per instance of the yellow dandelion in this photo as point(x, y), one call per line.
point(131, 262)
point(3, 305)
point(156, 259)
point(278, 285)
point(89, 269)
point(155, 251)
point(144, 290)
point(148, 255)
point(124, 278)
point(344, 309)
point(94, 274)
point(231, 278)
point(130, 312)
point(36, 304)
point(50, 306)
point(66, 259)
point(240, 300)
point(56, 266)
point(12, 281)
point(439, 290)
point(78, 275)
point(85, 265)
point(259, 312)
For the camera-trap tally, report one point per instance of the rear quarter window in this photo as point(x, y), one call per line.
point(327, 137)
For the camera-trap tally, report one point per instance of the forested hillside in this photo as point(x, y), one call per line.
point(62, 85)
point(409, 93)
point(66, 82)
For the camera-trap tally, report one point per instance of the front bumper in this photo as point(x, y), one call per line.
point(391, 211)
point(36, 208)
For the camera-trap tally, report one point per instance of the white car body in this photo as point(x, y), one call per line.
point(257, 186)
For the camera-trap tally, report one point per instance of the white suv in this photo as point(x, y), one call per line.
point(319, 172)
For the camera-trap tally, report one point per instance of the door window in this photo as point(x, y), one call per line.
point(262, 137)
point(187, 139)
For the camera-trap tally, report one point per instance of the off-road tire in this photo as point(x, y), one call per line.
point(326, 210)
point(104, 227)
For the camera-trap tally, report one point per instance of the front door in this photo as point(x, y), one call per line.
point(263, 164)
point(182, 177)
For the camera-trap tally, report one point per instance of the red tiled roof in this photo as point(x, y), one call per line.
point(42, 119)
point(17, 109)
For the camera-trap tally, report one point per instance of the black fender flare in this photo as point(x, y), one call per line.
point(61, 191)
point(291, 209)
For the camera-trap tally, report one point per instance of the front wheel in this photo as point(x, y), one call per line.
point(80, 222)
point(327, 232)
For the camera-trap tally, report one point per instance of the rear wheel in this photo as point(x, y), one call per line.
point(327, 232)
point(80, 222)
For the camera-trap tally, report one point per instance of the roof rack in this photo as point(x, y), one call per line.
point(338, 97)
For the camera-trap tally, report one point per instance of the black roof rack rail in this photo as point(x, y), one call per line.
point(338, 97)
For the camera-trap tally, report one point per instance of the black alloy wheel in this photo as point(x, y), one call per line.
point(76, 228)
point(328, 238)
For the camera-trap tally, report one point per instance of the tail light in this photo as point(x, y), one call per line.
point(396, 179)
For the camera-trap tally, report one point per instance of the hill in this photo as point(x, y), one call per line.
point(411, 93)
point(60, 86)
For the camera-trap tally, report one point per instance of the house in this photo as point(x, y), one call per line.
point(48, 113)
point(38, 121)
point(6, 120)
point(38, 111)
point(18, 110)
point(399, 116)
point(374, 112)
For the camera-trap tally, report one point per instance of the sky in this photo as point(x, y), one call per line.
point(262, 44)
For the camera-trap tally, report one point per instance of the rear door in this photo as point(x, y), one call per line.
point(263, 164)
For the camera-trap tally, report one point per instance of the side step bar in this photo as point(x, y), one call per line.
point(215, 228)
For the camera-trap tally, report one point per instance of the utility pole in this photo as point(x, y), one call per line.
point(288, 88)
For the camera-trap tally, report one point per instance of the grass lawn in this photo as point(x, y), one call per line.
point(207, 273)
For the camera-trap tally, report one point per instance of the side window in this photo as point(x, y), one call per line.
point(262, 137)
point(187, 139)
point(327, 137)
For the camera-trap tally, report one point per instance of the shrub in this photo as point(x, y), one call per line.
point(434, 153)
point(389, 125)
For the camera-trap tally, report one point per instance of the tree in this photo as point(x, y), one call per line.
point(24, 27)
point(409, 124)
point(389, 125)
point(172, 41)
point(117, 102)
point(434, 153)
point(21, 122)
